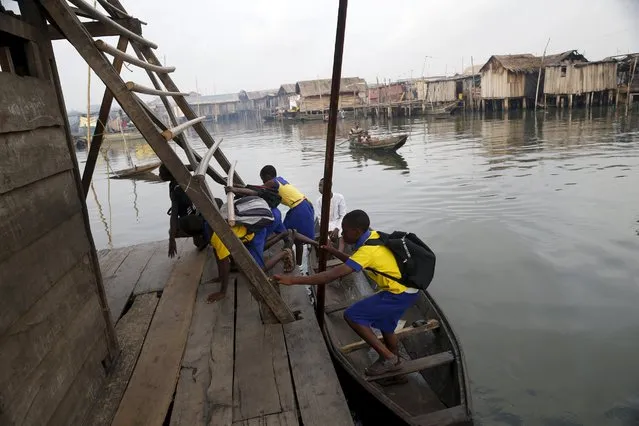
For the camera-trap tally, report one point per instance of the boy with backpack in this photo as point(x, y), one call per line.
point(300, 216)
point(398, 282)
point(185, 221)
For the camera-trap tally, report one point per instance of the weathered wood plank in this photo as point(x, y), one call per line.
point(31, 338)
point(255, 387)
point(151, 388)
point(120, 285)
point(319, 394)
point(131, 331)
point(190, 403)
point(287, 418)
point(84, 391)
point(27, 103)
point(22, 286)
point(158, 269)
point(26, 157)
point(33, 210)
point(42, 390)
point(111, 260)
point(401, 334)
point(220, 391)
point(419, 364)
point(99, 29)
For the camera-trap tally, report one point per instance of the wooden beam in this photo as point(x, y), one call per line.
point(401, 334)
point(138, 88)
point(99, 29)
point(417, 365)
point(169, 134)
point(107, 48)
point(98, 133)
point(198, 193)
point(17, 27)
point(86, 7)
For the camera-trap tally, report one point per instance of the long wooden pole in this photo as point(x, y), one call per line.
point(330, 150)
point(539, 76)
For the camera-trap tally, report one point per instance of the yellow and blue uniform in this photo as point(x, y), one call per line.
point(385, 308)
point(277, 227)
point(253, 241)
point(300, 216)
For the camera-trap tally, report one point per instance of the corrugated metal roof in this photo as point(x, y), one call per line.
point(323, 87)
point(212, 99)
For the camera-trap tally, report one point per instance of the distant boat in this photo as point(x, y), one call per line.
point(387, 144)
point(135, 170)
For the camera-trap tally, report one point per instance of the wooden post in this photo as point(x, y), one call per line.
point(632, 76)
point(570, 101)
point(330, 150)
point(557, 99)
point(230, 197)
point(506, 106)
point(541, 65)
point(103, 115)
point(523, 103)
point(60, 13)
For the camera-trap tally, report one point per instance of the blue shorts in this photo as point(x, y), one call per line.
point(302, 219)
point(383, 310)
point(256, 246)
point(277, 227)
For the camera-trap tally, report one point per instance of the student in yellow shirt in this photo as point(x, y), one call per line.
point(382, 310)
point(254, 241)
point(300, 217)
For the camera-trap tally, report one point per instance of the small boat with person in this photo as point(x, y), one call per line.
point(363, 141)
point(431, 388)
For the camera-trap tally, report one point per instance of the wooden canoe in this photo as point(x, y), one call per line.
point(388, 144)
point(136, 170)
point(432, 387)
point(441, 110)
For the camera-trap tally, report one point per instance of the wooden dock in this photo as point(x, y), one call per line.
point(186, 362)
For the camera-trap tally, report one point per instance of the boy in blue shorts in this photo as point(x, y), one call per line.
point(300, 217)
point(382, 310)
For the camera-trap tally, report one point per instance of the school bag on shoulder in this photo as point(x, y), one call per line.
point(416, 261)
point(251, 211)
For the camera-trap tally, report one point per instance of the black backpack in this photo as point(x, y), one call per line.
point(416, 261)
point(251, 211)
point(269, 195)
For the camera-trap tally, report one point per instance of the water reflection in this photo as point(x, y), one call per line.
point(391, 160)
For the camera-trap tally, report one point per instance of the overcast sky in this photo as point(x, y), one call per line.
point(226, 46)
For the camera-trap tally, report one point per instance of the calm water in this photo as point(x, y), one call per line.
point(535, 223)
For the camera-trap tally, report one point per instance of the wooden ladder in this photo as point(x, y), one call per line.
point(156, 133)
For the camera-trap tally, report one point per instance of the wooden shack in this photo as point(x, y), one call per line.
point(215, 107)
point(315, 94)
point(386, 94)
point(580, 83)
point(57, 340)
point(287, 97)
point(259, 102)
point(511, 80)
point(627, 78)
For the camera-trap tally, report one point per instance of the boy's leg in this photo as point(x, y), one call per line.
point(299, 252)
point(391, 342)
point(367, 335)
point(274, 238)
point(224, 269)
point(272, 261)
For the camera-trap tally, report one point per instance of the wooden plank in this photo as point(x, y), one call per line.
point(131, 331)
point(112, 259)
point(27, 103)
point(256, 391)
point(42, 390)
point(158, 269)
point(33, 210)
point(17, 27)
point(99, 29)
point(84, 391)
point(220, 391)
point(31, 338)
point(401, 334)
point(198, 192)
point(449, 416)
point(22, 286)
point(417, 365)
point(190, 405)
point(26, 157)
point(336, 307)
point(120, 285)
point(319, 394)
point(286, 418)
point(147, 398)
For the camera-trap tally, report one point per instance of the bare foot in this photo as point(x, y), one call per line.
point(214, 297)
